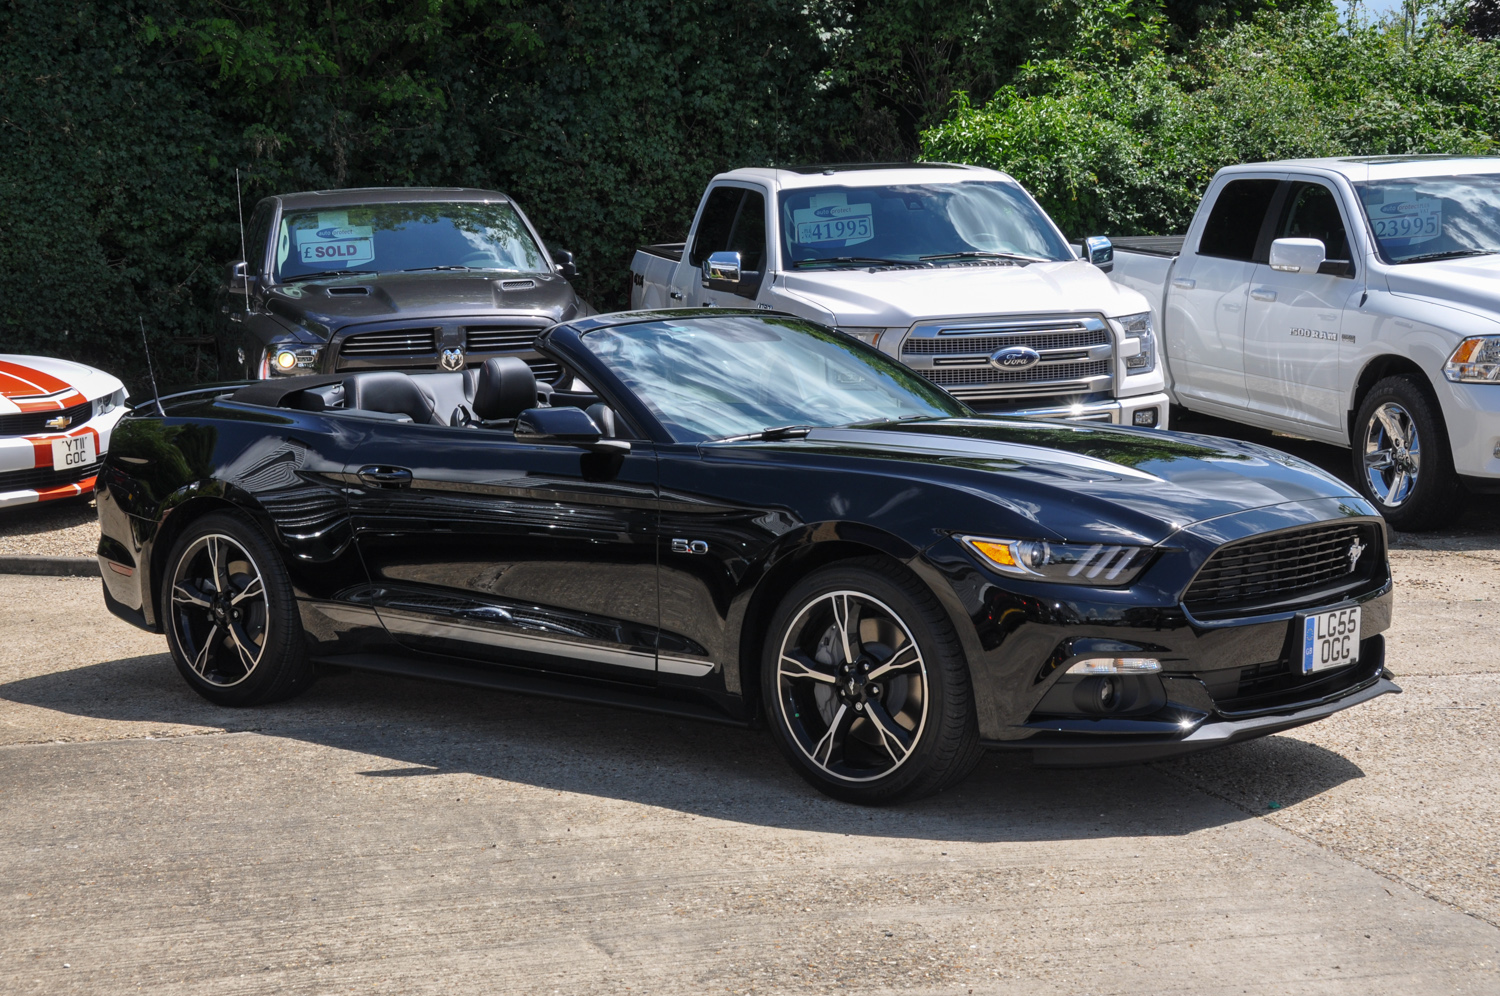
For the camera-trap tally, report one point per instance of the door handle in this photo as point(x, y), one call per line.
point(675, 295)
point(1186, 283)
point(385, 477)
point(1262, 294)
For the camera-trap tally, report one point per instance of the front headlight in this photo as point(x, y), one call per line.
point(1139, 327)
point(1101, 564)
point(1475, 361)
point(110, 402)
point(292, 359)
point(864, 334)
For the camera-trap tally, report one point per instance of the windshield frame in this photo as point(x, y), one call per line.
point(1059, 250)
point(669, 430)
point(1360, 186)
point(271, 269)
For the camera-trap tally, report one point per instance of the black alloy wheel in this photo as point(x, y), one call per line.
point(1402, 462)
point(866, 685)
point(229, 614)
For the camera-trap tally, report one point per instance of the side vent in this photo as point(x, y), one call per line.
point(517, 285)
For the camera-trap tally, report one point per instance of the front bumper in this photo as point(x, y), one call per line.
point(26, 471)
point(1114, 412)
point(1472, 414)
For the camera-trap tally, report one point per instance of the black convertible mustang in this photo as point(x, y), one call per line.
point(746, 516)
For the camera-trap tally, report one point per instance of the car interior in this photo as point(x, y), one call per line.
point(490, 396)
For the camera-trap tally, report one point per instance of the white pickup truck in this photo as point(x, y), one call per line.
point(1353, 301)
point(954, 270)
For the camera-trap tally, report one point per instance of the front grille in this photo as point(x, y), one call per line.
point(42, 478)
point(399, 342)
point(545, 371)
point(964, 376)
point(31, 423)
point(1286, 569)
point(500, 338)
point(983, 345)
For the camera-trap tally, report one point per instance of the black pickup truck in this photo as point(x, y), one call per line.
point(390, 278)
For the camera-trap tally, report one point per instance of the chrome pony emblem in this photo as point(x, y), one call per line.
point(61, 422)
point(1015, 358)
point(452, 360)
point(1356, 549)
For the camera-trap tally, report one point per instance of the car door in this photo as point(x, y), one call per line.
point(1205, 323)
point(1293, 320)
point(734, 220)
point(483, 548)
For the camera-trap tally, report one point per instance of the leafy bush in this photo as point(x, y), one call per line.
point(1125, 142)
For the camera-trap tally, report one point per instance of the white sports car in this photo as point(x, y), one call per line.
point(56, 417)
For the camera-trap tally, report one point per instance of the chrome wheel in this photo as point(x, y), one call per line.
point(219, 611)
point(1393, 454)
point(852, 686)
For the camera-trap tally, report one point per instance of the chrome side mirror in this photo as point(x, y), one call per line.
point(722, 268)
point(1100, 251)
point(565, 427)
point(1297, 255)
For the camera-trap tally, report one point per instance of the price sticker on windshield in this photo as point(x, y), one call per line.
point(336, 245)
point(831, 221)
point(1407, 223)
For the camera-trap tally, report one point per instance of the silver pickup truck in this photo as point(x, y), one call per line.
point(1354, 301)
point(953, 270)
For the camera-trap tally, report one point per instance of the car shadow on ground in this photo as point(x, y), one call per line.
point(408, 728)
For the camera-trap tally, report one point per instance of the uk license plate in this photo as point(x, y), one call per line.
point(71, 452)
point(1330, 639)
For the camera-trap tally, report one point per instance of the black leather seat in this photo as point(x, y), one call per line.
point(506, 387)
point(446, 393)
point(390, 391)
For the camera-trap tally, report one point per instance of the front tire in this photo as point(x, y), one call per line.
point(1402, 461)
point(230, 615)
point(866, 686)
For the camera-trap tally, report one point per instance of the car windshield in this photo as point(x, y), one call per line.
point(1433, 217)
point(734, 375)
point(831, 226)
point(392, 237)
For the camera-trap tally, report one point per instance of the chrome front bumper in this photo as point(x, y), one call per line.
point(1120, 412)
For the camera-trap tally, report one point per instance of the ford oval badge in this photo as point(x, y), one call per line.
point(1015, 358)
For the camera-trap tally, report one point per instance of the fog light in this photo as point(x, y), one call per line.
point(1145, 417)
point(286, 360)
point(1116, 665)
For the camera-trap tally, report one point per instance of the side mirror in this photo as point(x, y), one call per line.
point(564, 267)
point(565, 427)
point(1297, 255)
point(1100, 251)
point(725, 271)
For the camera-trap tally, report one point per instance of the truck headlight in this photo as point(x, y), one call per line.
point(1138, 327)
point(291, 359)
point(870, 336)
point(1475, 361)
point(1101, 564)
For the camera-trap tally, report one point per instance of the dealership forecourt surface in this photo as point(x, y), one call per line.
point(382, 835)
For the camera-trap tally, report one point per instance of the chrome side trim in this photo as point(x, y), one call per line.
point(419, 624)
point(682, 665)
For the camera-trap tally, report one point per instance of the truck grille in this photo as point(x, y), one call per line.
point(1077, 356)
point(1292, 568)
point(500, 338)
point(30, 423)
point(398, 342)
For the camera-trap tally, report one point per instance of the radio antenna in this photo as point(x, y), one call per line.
point(239, 203)
point(150, 370)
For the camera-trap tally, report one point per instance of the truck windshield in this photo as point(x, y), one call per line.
point(921, 222)
point(711, 378)
point(417, 236)
point(1433, 217)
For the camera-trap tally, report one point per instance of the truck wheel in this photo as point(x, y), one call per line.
point(867, 687)
point(1402, 462)
point(230, 616)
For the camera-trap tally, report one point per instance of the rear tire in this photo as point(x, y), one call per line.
point(1402, 460)
point(866, 686)
point(230, 616)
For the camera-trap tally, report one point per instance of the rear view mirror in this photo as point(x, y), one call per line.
point(1297, 255)
point(1100, 251)
point(565, 427)
point(564, 265)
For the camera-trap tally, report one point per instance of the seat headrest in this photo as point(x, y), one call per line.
point(389, 391)
point(506, 388)
point(604, 418)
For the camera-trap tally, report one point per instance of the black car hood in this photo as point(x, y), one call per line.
point(1109, 482)
point(327, 305)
